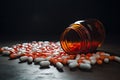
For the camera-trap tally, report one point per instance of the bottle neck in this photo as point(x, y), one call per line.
point(75, 39)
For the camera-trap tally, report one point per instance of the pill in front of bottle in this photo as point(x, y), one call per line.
point(44, 63)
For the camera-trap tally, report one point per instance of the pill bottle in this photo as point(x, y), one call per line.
point(82, 36)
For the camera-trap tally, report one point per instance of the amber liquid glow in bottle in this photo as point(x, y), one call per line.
point(83, 36)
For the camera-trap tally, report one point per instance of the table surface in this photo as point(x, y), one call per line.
point(13, 70)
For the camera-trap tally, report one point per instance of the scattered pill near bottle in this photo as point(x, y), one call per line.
point(46, 53)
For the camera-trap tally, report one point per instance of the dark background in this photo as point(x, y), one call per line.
point(34, 19)
point(27, 20)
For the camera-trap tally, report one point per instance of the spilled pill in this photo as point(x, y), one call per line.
point(73, 65)
point(44, 63)
point(7, 53)
point(23, 58)
point(117, 58)
point(106, 60)
point(59, 65)
point(85, 66)
point(30, 59)
point(37, 60)
point(93, 61)
point(46, 53)
point(71, 61)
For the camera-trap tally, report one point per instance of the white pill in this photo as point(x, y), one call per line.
point(117, 58)
point(23, 58)
point(48, 58)
point(59, 65)
point(97, 56)
point(106, 54)
point(30, 59)
point(93, 61)
point(44, 63)
point(6, 53)
point(37, 60)
point(85, 66)
point(63, 57)
point(73, 65)
point(106, 60)
point(71, 61)
point(86, 61)
point(92, 58)
point(77, 57)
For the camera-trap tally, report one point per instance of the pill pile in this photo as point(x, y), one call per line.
point(46, 53)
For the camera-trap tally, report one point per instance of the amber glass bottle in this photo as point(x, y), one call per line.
point(82, 36)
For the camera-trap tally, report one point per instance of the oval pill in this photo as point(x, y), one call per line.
point(106, 60)
point(93, 61)
point(44, 63)
point(73, 65)
point(86, 61)
point(30, 59)
point(23, 58)
point(85, 66)
point(70, 61)
point(37, 60)
point(117, 58)
point(7, 53)
point(59, 65)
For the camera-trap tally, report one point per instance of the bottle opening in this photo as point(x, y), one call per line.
point(82, 36)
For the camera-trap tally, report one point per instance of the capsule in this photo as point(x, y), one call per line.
point(85, 66)
point(23, 58)
point(30, 59)
point(13, 56)
point(44, 63)
point(117, 58)
point(7, 53)
point(73, 65)
point(106, 60)
point(59, 65)
point(71, 61)
point(93, 61)
point(86, 61)
point(77, 57)
point(48, 58)
point(37, 60)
